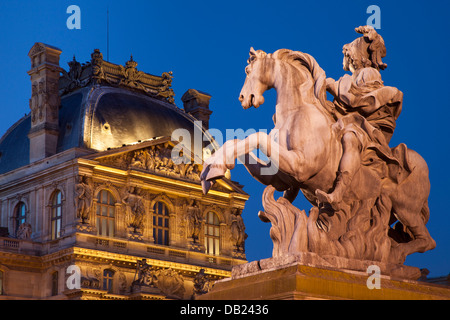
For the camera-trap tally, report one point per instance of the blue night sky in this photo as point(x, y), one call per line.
point(206, 44)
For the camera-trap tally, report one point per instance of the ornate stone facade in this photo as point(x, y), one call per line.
point(103, 211)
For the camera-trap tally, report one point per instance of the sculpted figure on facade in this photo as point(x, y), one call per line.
point(238, 234)
point(337, 153)
point(24, 231)
point(90, 277)
point(83, 199)
point(73, 77)
point(158, 159)
point(195, 219)
point(145, 274)
point(202, 283)
point(135, 208)
point(170, 282)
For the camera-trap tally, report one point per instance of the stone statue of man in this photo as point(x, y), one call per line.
point(366, 109)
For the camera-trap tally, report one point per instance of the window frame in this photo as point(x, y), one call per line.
point(106, 214)
point(20, 215)
point(161, 223)
point(212, 233)
point(108, 280)
point(56, 215)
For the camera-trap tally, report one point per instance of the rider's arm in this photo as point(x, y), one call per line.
point(332, 87)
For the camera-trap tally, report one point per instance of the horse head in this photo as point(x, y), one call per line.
point(258, 80)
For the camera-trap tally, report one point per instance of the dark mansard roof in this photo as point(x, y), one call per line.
point(101, 113)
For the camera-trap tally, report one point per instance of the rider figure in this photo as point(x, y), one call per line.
point(362, 105)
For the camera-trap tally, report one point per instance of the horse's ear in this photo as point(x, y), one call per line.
point(252, 52)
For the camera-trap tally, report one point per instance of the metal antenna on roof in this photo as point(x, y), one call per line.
point(107, 33)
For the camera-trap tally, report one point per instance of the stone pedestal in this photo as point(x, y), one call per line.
point(291, 279)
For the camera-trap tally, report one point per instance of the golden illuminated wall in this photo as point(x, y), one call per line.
point(35, 265)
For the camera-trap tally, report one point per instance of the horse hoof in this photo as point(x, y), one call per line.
point(322, 197)
point(216, 172)
point(325, 198)
point(206, 186)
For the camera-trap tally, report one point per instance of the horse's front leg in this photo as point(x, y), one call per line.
point(288, 161)
point(215, 166)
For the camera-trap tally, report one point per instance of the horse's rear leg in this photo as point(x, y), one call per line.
point(411, 216)
point(410, 206)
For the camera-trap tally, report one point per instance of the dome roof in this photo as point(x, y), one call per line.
point(100, 118)
point(105, 106)
point(112, 117)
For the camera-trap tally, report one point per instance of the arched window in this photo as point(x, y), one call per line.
point(161, 223)
point(108, 276)
point(55, 283)
point(105, 214)
point(212, 233)
point(56, 217)
point(20, 215)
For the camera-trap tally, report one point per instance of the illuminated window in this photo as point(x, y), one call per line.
point(161, 223)
point(56, 217)
point(212, 234)
point(105, 214)
point(108, 276)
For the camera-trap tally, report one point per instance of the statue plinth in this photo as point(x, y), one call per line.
point(299, 277)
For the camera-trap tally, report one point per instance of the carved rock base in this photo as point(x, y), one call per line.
point(293, 280)
point(86, 228)
point(196, 247)
point(134, 236)
point(136, 288)
point(238, 254)
point(397, 271)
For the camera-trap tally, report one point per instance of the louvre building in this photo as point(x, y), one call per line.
point(92, 204)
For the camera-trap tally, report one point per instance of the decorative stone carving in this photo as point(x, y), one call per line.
point(122, 282)
point(135, 209)
point(90, 277)
point(45, 99)
point(72, 80)
point(170, 282)
point(44, 94)
point(83, 199)
point(202, 283)
point(145, 274)
point(313, 138)
point(98, 74)
point(24, 231)
point(100, 71)
point(167, 281)
point(194, 219)
point(156, 159)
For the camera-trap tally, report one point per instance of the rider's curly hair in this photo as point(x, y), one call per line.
point(366, 51)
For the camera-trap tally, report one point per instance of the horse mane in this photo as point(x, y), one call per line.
point(300, 59)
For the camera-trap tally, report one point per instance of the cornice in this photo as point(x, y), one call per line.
point(99, 71)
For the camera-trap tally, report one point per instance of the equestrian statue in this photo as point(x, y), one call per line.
point(369, 200)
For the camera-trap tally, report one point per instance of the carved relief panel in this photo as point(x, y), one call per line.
point(155, 159)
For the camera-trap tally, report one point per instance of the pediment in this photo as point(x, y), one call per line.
point(155, 157)
point(151, 157)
